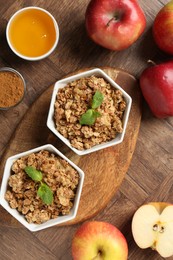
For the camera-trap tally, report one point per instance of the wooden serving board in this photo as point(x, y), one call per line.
point(104, 170)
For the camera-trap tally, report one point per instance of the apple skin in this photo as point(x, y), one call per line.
point(156, 83)
point(160, 206)
point(114, 24)
point(163, 28)
point(99, 240)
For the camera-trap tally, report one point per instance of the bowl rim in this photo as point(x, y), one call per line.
point(28, 57)
point(52, 222)
point(8, 69)
point(50, 120)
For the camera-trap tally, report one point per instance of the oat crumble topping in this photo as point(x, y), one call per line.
point(72, 101)
point(58, 174)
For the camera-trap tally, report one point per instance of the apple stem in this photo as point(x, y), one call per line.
point(112, 19)
point(153, 247)
point(98, 256)
point(116, 18)
point(151, 62)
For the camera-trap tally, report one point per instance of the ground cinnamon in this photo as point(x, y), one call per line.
point(11, 89)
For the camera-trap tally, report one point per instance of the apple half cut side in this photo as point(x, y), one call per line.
point(152, 226)
point(96, 240)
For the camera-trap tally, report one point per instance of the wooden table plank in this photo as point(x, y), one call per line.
point(150, 174)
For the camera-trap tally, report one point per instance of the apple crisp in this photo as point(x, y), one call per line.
point(72, 102)
point(57, 173)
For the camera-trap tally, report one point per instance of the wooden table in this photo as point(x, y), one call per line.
point(149, 177)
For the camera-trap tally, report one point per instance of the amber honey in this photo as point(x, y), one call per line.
point(32, 32)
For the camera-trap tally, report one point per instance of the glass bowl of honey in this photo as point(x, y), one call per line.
point(32, 33)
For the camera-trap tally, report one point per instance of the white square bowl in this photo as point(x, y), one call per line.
point(62, 83)
point(60, 219)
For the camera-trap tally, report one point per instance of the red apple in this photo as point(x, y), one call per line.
point(163, 28)
point(114, 24)
point(156, 83)
point(99, 240)
point(152, 226)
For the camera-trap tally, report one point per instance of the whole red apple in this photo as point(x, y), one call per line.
point(156, 83)
point(114, 24)
point(163, 28)
point(99, 240)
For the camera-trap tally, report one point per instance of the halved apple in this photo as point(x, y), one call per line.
point(152, 226)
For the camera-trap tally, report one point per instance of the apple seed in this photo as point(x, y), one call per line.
point(155, 227)
point(158, 228)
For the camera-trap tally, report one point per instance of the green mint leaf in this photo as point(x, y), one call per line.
point(97, 100)
point(87, 118)
point(33, 173)
point(90, 116)
point(45, 193)
point(96, 114)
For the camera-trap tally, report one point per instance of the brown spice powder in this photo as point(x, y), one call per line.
point(11, 89)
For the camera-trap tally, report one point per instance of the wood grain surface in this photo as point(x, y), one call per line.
point(104, 170)
point(149, 177)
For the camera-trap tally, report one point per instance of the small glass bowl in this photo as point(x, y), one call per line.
point(7, 69)
point(39, 57)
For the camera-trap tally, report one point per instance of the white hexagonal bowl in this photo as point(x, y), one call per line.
point(62, 83)
point(61, 219)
